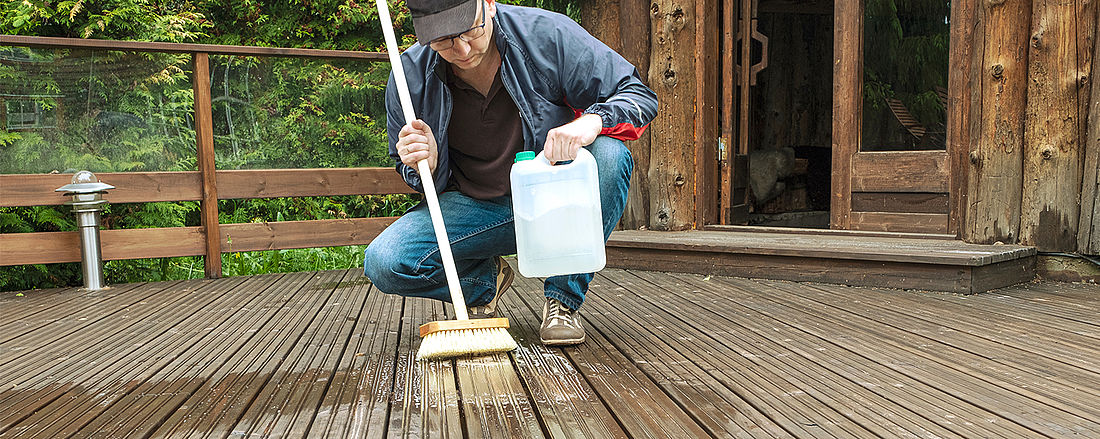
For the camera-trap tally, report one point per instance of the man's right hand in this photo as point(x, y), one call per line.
point(416, 142)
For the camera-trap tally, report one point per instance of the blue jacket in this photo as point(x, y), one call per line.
point(552, 68)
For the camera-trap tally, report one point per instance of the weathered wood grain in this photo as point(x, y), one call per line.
point(622, 25)
point(204, 137)
point(672, 76)
point(900, 222)
point(705, 174)
point(962, 93)
point(900, 202)
point(915, 171)
point(847, 109)
point(1052, 151)
point(56, 247)
point(1088, 232)
point(995, 179)
point(130, 187)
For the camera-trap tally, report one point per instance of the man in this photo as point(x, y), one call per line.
point(488, 81)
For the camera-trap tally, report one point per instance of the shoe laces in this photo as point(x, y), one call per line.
point(558, 314)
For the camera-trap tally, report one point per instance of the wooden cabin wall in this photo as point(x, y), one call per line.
point(619, 25)
point(1088, 233)
point(672, 77)
point(1027, 164)
point(1058, 72)
point(996, 154)
point(1031, 176)
point(660, 38)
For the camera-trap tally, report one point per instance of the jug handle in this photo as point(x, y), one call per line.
point(582, 155)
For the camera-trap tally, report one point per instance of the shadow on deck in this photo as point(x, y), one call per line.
point(668, 355)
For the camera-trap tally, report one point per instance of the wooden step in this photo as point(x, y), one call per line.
point(860, 259)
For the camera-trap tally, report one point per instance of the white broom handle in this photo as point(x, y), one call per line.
point(422, 166)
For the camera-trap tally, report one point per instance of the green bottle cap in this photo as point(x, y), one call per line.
point(524, 155)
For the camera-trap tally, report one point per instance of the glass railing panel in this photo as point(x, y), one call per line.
point(281, 112)
point(63, 110)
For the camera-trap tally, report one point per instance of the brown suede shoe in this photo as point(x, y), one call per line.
point(504, 280)
point(560, 325)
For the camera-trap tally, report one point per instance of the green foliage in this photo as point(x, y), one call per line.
point(175, 22)
point(314, 208)
point(30, 219)
point(292, 113)
point(289, 261)
point(153, 270)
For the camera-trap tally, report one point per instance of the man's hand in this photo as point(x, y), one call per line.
point(563, 142)
point(416, 142)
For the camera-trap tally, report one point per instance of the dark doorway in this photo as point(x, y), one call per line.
point(781, 133)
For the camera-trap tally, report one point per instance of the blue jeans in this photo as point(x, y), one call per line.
point(404, 259)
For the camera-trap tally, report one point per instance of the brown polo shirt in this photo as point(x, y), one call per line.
point(485, 133)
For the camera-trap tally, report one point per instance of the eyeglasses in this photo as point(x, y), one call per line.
point(473, 33)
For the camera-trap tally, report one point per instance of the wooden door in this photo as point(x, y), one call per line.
point(881, 184)
point(739, 71)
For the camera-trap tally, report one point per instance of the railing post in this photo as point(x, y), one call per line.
point(204, 138)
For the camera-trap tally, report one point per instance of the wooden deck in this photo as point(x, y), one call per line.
point(669, 355)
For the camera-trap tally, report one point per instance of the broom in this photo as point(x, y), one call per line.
point(445, 338)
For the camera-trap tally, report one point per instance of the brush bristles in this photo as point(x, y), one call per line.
point(459, 342)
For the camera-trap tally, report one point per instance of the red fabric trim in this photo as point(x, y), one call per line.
point(624, 131)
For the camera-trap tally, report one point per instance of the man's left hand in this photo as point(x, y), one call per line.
point(563, 142)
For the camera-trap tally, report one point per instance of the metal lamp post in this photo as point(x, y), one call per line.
point(87, 192)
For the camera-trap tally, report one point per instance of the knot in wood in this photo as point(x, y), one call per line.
point(677, 16)
point(975, 158)
point(1047, 153)
point(1037, 39)
point(997, 70)
point(679, 181)
point(670, 77)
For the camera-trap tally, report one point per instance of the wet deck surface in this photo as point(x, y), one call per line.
point(324, 355)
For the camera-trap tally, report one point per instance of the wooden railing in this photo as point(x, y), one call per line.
point(207, 185)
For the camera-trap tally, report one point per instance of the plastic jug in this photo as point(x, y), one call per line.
point(558, 218)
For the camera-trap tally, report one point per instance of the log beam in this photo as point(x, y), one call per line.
point(1052, 149)
point(995, 174)
point(672, 76)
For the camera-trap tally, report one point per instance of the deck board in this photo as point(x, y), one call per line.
point(18, 307)
point(637, 403)
point(325, 354)
point(854, 364)
point(566, 403)
point(28, 317)
point(859, 405)
point(769, 385)
point(998, 355)
point(359, 399)
point(977, 380)
point(61, 386)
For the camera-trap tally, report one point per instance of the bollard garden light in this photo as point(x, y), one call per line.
point(87, 192)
